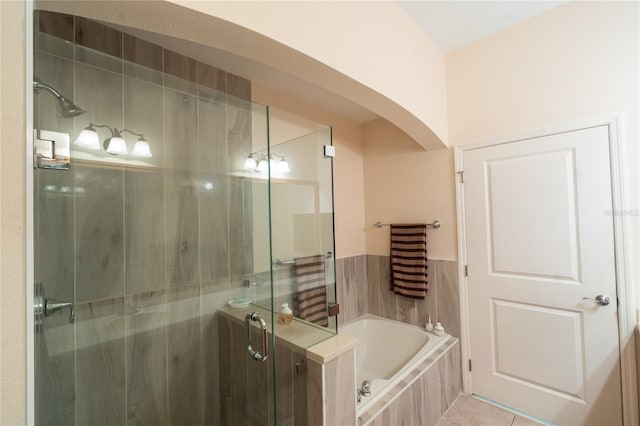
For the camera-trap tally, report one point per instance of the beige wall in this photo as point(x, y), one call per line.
point(403, 183)
point(348, 164)
point(576, 61)
point(13, 333)
point(354, 39)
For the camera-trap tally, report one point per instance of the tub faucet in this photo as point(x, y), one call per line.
point(365, 390)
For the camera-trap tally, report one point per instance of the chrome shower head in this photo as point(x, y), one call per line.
point(67, 107)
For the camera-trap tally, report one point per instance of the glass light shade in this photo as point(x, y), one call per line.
point(283, 166)
point(263, 166)
point(88, 139)
point(141, 149)
point(250, 163)
point(117, 146)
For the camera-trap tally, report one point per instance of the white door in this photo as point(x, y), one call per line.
point(539, 240)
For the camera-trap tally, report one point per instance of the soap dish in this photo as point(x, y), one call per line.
point(241, 302)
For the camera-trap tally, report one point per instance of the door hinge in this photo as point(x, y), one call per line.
point(461, 173)
point(469, 364)
point(466, 270)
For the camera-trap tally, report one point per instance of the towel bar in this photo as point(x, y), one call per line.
point(280, 262)
point(435, 224)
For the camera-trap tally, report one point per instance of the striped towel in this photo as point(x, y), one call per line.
point(409, 260)
point(311, 290)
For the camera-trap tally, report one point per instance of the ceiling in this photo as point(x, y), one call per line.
point(453, 24)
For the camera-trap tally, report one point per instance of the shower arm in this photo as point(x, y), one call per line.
point(67, 107)
point(38, 84)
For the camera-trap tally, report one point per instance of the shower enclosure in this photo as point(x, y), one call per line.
point(172, 214)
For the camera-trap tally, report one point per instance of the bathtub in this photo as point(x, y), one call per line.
point(387, 351)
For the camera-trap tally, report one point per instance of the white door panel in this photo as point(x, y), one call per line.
point(550, 220)
point(539, 241)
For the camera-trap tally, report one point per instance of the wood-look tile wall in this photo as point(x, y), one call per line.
point(352, 289)
point(148, 255)
point(331, 393)
point(441, 302)
point(422, 397)
point(246, 386)
point(363, 284)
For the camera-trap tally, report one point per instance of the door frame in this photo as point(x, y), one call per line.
point(621, 226)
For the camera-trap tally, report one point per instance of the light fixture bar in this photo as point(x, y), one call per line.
point(116, 145)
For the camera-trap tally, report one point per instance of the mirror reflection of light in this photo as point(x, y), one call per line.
point(250, 163)
point(51, 188)
point(208, 186)
point(65, 189)
point(283, 166)
point(260, 163)
point(79, 190)
point(263, 166)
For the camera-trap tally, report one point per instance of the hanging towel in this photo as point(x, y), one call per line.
point(311, 290)
point(409, 260)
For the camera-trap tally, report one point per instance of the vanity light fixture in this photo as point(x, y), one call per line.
point(116, 145)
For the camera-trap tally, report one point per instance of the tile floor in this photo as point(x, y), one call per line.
point(468, 411)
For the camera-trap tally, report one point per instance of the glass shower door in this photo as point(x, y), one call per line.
point(138, 252)
point(156, 245)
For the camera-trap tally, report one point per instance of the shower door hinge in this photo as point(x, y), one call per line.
point(301, 368)
point(466, 270)
point(329, 151)
point(333, 309)
point(469, 364)
point(51, 150)
point(461, 173)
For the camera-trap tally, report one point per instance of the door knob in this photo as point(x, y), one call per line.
point(601, 299)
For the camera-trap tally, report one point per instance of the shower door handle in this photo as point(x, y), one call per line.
point(257, 356)
point(44, 307)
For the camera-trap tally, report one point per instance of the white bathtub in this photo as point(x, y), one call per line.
point(387, 350)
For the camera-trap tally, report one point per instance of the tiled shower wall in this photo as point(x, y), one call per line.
point(147, 254)
point(363, 287)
